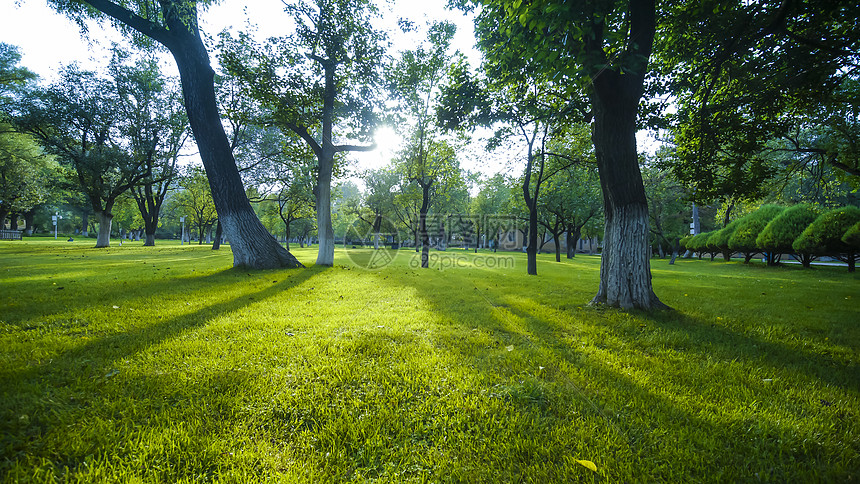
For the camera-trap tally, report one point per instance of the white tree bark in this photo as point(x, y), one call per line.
point(625, 266)
point(104, 220)
point(325, 256)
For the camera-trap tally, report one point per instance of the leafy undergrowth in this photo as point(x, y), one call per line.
point(136, 364)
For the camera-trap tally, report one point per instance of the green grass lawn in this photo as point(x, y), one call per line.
point(138, 364)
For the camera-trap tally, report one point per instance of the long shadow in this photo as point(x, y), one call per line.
point(760, 438)
point(73, 372)
point(95, 356)
point(45, 295)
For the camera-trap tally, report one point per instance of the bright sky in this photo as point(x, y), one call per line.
point(48, 40)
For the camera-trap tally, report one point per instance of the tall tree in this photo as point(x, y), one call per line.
point(156, 127)
point(602, 48)
point(322, 77)
point(26, 173)
point(174, 25)
point(77, 120)
point(194, 200)
point(755, 81)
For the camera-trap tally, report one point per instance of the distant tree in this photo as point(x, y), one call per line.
point(489, 207)
point(378, 202)
point(667, 206)
point(194, 200)
point(26, 173)
point(824, 235)
point(174, 25)
point(156, 127)
point(744, 238)
point(77, 119)
point(780, 233)
point(719, 239)
point(321, 78)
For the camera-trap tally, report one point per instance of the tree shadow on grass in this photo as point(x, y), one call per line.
point(699, 439)
point(92, 361)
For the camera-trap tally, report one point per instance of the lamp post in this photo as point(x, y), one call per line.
point(55, 218)
point(182, 235)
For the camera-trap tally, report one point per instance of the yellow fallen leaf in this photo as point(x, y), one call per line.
point(587, 464)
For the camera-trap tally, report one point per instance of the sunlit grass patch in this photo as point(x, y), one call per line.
point(165, 364)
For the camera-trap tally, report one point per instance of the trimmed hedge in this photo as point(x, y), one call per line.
point(744, 237)
point(852, 237)
point(719, 240)
point(824, 235)
point(784, 229)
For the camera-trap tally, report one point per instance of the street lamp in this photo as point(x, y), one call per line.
point(54, 219)
point(182, 235)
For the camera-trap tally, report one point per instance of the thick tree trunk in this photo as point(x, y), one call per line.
point(557, 239)
point(104, 219)
point(85, 224)
point(13, 221)
point(253, 246)
point(219, 234)
point(422, 229)
point(29, 217)
point(325, 255)
point(150, 224)
point(625, 271)
point(532, 247)
point(3, 214)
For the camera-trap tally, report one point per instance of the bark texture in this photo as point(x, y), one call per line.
point(105, 219)
point(625, 270)
point(253, 246)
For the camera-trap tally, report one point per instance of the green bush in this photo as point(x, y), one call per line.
point(852, 237)
point(719, 240)
point(744, 237)
point(784, 229)
point(696, 243)
point(824, 235)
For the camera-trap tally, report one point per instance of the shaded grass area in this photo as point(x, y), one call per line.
point(165, 365)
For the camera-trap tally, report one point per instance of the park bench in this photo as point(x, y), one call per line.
point(10, 235)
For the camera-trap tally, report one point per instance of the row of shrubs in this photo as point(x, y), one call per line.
point(775, 231)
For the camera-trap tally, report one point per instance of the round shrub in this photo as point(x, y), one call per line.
point(824, 235)
point(719, 240)
point(782, 231)
point(852, 237)
point(744, 237)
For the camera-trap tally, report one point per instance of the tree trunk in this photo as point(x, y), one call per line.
point(557, 239)
point(571, 241)
point(422, 226)
point(13, 221)
point(253, 246)
point(532, 247)
point(325, 255)
point(219, 233)
point(85, 224)
point(852, 261)
point(287, 234)
point(150, 224)
point(29, 217)
point(625, 271)
point(104, 220)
